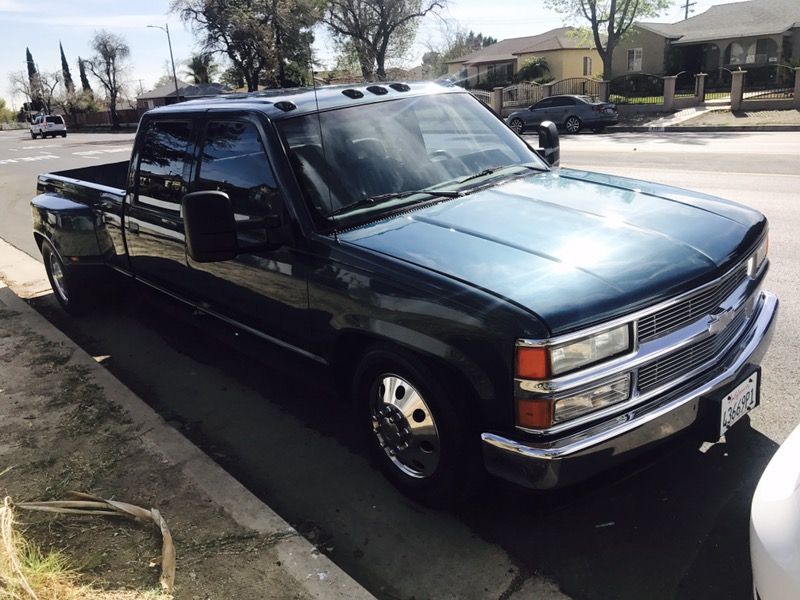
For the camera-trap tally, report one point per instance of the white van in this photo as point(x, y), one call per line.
point(52, 125)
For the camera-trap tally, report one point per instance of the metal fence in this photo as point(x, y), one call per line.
point(483, 96)
point(638, 88)
point(522, 94)
point(582, 86)
point(775, 82)
point(718, 85)
point(685, 85)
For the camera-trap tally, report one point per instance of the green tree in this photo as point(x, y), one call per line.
point(85, 86)
point(609, 20)
point(6, 114)
point(533, 68)
point(377, 28)
point(110, 55)
point(266, 41)
point(201, 68)
point(69, 86)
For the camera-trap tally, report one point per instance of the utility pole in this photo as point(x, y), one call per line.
point(686, 9)
point(172, 60)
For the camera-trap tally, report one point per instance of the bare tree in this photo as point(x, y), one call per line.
point(21, 84)
point(48, 82)
point(374, 26)
point(609, 20)
point(107, 64)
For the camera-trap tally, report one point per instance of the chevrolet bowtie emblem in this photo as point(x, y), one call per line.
point(719, 321)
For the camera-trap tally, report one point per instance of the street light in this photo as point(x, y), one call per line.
point(165, 29)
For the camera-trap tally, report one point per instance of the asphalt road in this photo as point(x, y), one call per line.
point(672, 525)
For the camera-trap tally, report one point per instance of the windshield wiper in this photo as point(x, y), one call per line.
point(491, 170)
point(380, 198)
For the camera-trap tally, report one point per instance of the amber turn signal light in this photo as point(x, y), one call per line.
point(533, 363)
point(534, 413)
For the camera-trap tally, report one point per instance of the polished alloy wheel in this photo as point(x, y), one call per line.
point(59, 282)
point(516, 125)
point(573, 125)
point(404, 427)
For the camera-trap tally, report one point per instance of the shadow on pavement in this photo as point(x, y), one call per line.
point(674, 524)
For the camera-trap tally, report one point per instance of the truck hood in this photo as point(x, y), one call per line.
point(573, 247)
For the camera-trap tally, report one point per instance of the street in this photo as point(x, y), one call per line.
point(674, 524)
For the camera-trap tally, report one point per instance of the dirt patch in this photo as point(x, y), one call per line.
point(726, 118)
point(59, 432)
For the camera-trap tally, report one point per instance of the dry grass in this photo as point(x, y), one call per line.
point(27, 573)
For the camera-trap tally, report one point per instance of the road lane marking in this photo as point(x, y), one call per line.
point(96, 152)
point(11, 161)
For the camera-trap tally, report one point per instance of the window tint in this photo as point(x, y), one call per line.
point(546, 103)
point(55, 119)
point(563, 102)
point(161, 176)
point(233, 161)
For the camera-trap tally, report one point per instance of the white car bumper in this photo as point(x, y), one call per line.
point(775, 525)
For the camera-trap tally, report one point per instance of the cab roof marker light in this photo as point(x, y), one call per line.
point(354, 94)
point(400, 87)
point(285, 105)
point(378, 90)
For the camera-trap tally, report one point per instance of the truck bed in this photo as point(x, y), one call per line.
point(110, 175)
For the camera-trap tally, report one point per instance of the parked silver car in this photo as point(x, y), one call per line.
point(571, 113)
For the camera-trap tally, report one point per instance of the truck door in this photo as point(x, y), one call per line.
point(263, 290)
point(153, 224)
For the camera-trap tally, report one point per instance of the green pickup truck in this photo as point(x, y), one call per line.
point(482, 308)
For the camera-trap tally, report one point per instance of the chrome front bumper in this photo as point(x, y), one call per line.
point(576, 456)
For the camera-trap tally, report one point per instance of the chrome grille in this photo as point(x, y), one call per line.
point(690, 309)
point(687, 359)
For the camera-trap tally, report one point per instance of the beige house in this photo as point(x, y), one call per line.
point(567, 52)
point(753, 35)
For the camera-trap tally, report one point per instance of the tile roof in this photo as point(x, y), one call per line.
point(555, 39)
point(739, 19)
point(187, 90)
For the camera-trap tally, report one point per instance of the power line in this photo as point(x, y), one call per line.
point(686, 8)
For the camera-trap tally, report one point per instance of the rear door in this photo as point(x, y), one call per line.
point(153, 224)
point(539, 111)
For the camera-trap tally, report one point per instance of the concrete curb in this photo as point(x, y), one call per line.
point(699, 129)
point(312, 570)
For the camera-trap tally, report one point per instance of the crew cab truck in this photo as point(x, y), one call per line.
point(481, 304)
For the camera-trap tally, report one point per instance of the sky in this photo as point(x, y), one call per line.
point(41, 24)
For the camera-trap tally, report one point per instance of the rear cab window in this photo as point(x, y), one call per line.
point(58, 120)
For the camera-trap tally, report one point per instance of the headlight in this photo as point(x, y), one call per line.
point(546, 361)
point(604, 395)
point(542, 413)
point(757, 259)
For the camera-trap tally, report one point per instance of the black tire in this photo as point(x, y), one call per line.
point(64, 134)
point(33, 136)
point(71, 291)
point(572, 125)
point(517, 125)
point(451, 468)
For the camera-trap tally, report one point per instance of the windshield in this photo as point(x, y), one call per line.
point(376, 157)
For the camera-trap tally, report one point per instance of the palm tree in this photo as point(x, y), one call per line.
point(201, 68)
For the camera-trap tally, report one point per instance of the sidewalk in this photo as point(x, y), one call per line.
point(67, 424)
point(714, 119)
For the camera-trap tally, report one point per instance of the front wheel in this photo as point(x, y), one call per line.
point(573, 125)
point(517, 125)
point(69, 290)
point(414, 432)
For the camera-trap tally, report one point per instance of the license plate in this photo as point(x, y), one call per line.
point(739, 402)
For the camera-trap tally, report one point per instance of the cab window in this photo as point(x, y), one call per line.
point(163, 165)
point(233, 160)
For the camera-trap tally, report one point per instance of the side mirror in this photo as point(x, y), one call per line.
point(549, 145)
point(209, 226)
